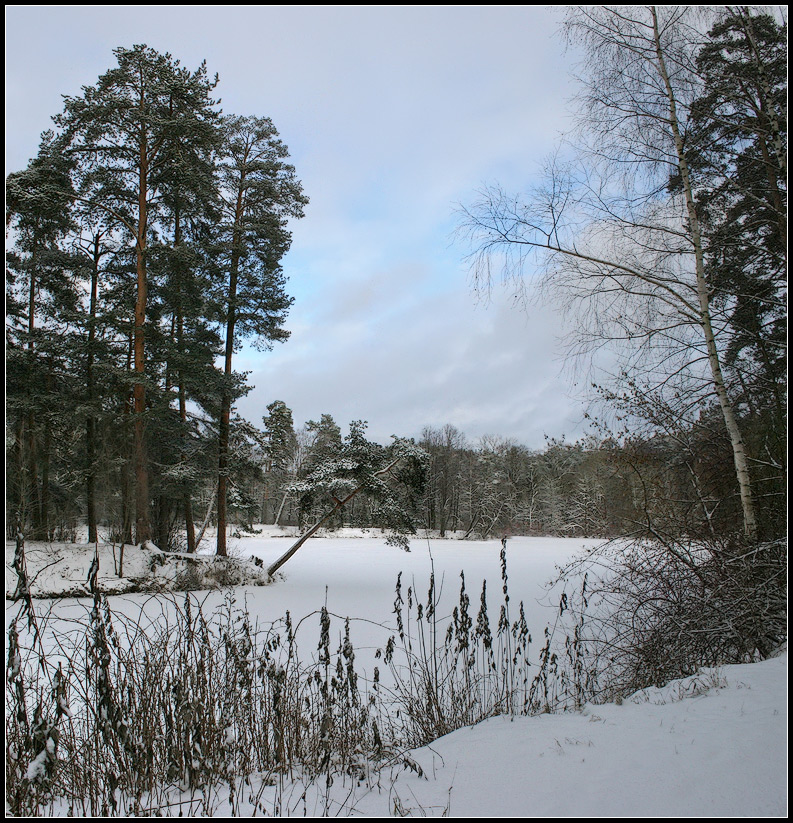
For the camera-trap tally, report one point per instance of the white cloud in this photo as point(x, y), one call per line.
point(393, 115)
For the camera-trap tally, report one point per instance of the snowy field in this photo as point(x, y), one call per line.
point(713, 745)
point(352, 574)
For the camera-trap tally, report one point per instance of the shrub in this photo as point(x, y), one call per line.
point(647, 612)
point(169, 715)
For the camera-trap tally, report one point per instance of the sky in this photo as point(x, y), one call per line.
point(394, 117)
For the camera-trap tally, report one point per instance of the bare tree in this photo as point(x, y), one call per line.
point(445, 447)
point(622, 251)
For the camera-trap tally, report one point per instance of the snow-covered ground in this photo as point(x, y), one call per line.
point(712, 745)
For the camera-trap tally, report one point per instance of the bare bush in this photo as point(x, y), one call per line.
point(176, 713)
point(649, 611)
point(455, 672)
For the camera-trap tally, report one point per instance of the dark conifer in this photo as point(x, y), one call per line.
point(125, 134)
point(260, 192)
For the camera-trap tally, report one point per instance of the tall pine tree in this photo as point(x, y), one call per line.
point(260, 192)
point(40, 288)
point(737, 147)
point(124, 133)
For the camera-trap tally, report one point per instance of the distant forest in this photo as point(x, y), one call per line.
point(496, 486)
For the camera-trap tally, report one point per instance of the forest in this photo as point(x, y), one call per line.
point(146, 244)
point(145, 248)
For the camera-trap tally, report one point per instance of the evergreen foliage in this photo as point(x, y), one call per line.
point(146, 227)
point(259, 192)
point(388, 478)
point(147, 239)
point(739, 149)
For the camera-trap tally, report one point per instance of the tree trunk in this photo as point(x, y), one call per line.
point(302, 539)
point(223, 455)
point(126, 496)
point(471, 525)
point(142, 529)
point(32, 503)
point(44, 498)
point(163, 523)
point(90, 422)
point(338, 505)
point(225, 408)
point(20, 504)
point(187, 503)
point(703, 293)
point(281, 508)
point(207, 518)
point(90, 490)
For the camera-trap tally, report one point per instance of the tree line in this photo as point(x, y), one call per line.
point(147, 238)
point(673, 483)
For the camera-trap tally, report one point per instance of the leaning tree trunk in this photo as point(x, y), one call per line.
point(337, 506)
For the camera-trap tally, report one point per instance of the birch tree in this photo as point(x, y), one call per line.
point(618, 245)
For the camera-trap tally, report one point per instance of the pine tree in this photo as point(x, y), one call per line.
point(738, 148)
point(98, 348)
point(149, 228)
point(390, 477)
point(324, 445)
point(281, 447)
point(124, 134)
point(40, 280)
point(260, 192)
point(187, 337)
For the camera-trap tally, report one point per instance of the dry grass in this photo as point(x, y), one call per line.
point(176, 715)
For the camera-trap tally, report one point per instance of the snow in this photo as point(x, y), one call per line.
point(721, 752)
point(711, 745)
point(61, 569)
point(38, 765)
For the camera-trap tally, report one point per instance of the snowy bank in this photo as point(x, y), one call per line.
point(61, 569)
point(710, 745)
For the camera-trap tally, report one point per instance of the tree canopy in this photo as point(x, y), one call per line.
point(148, 234)
point(658, 225)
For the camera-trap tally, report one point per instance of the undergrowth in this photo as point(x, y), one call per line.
point(198, 711)
point(638, 614)
point(110, 715)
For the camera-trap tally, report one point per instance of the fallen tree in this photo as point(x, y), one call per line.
point(390, 477)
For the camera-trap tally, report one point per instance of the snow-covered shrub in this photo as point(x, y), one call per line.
point(646, 612)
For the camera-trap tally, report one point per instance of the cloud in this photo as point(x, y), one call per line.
point(420, 362)
point(393, 115)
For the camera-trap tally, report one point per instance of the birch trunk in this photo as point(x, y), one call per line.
point(703, 293)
